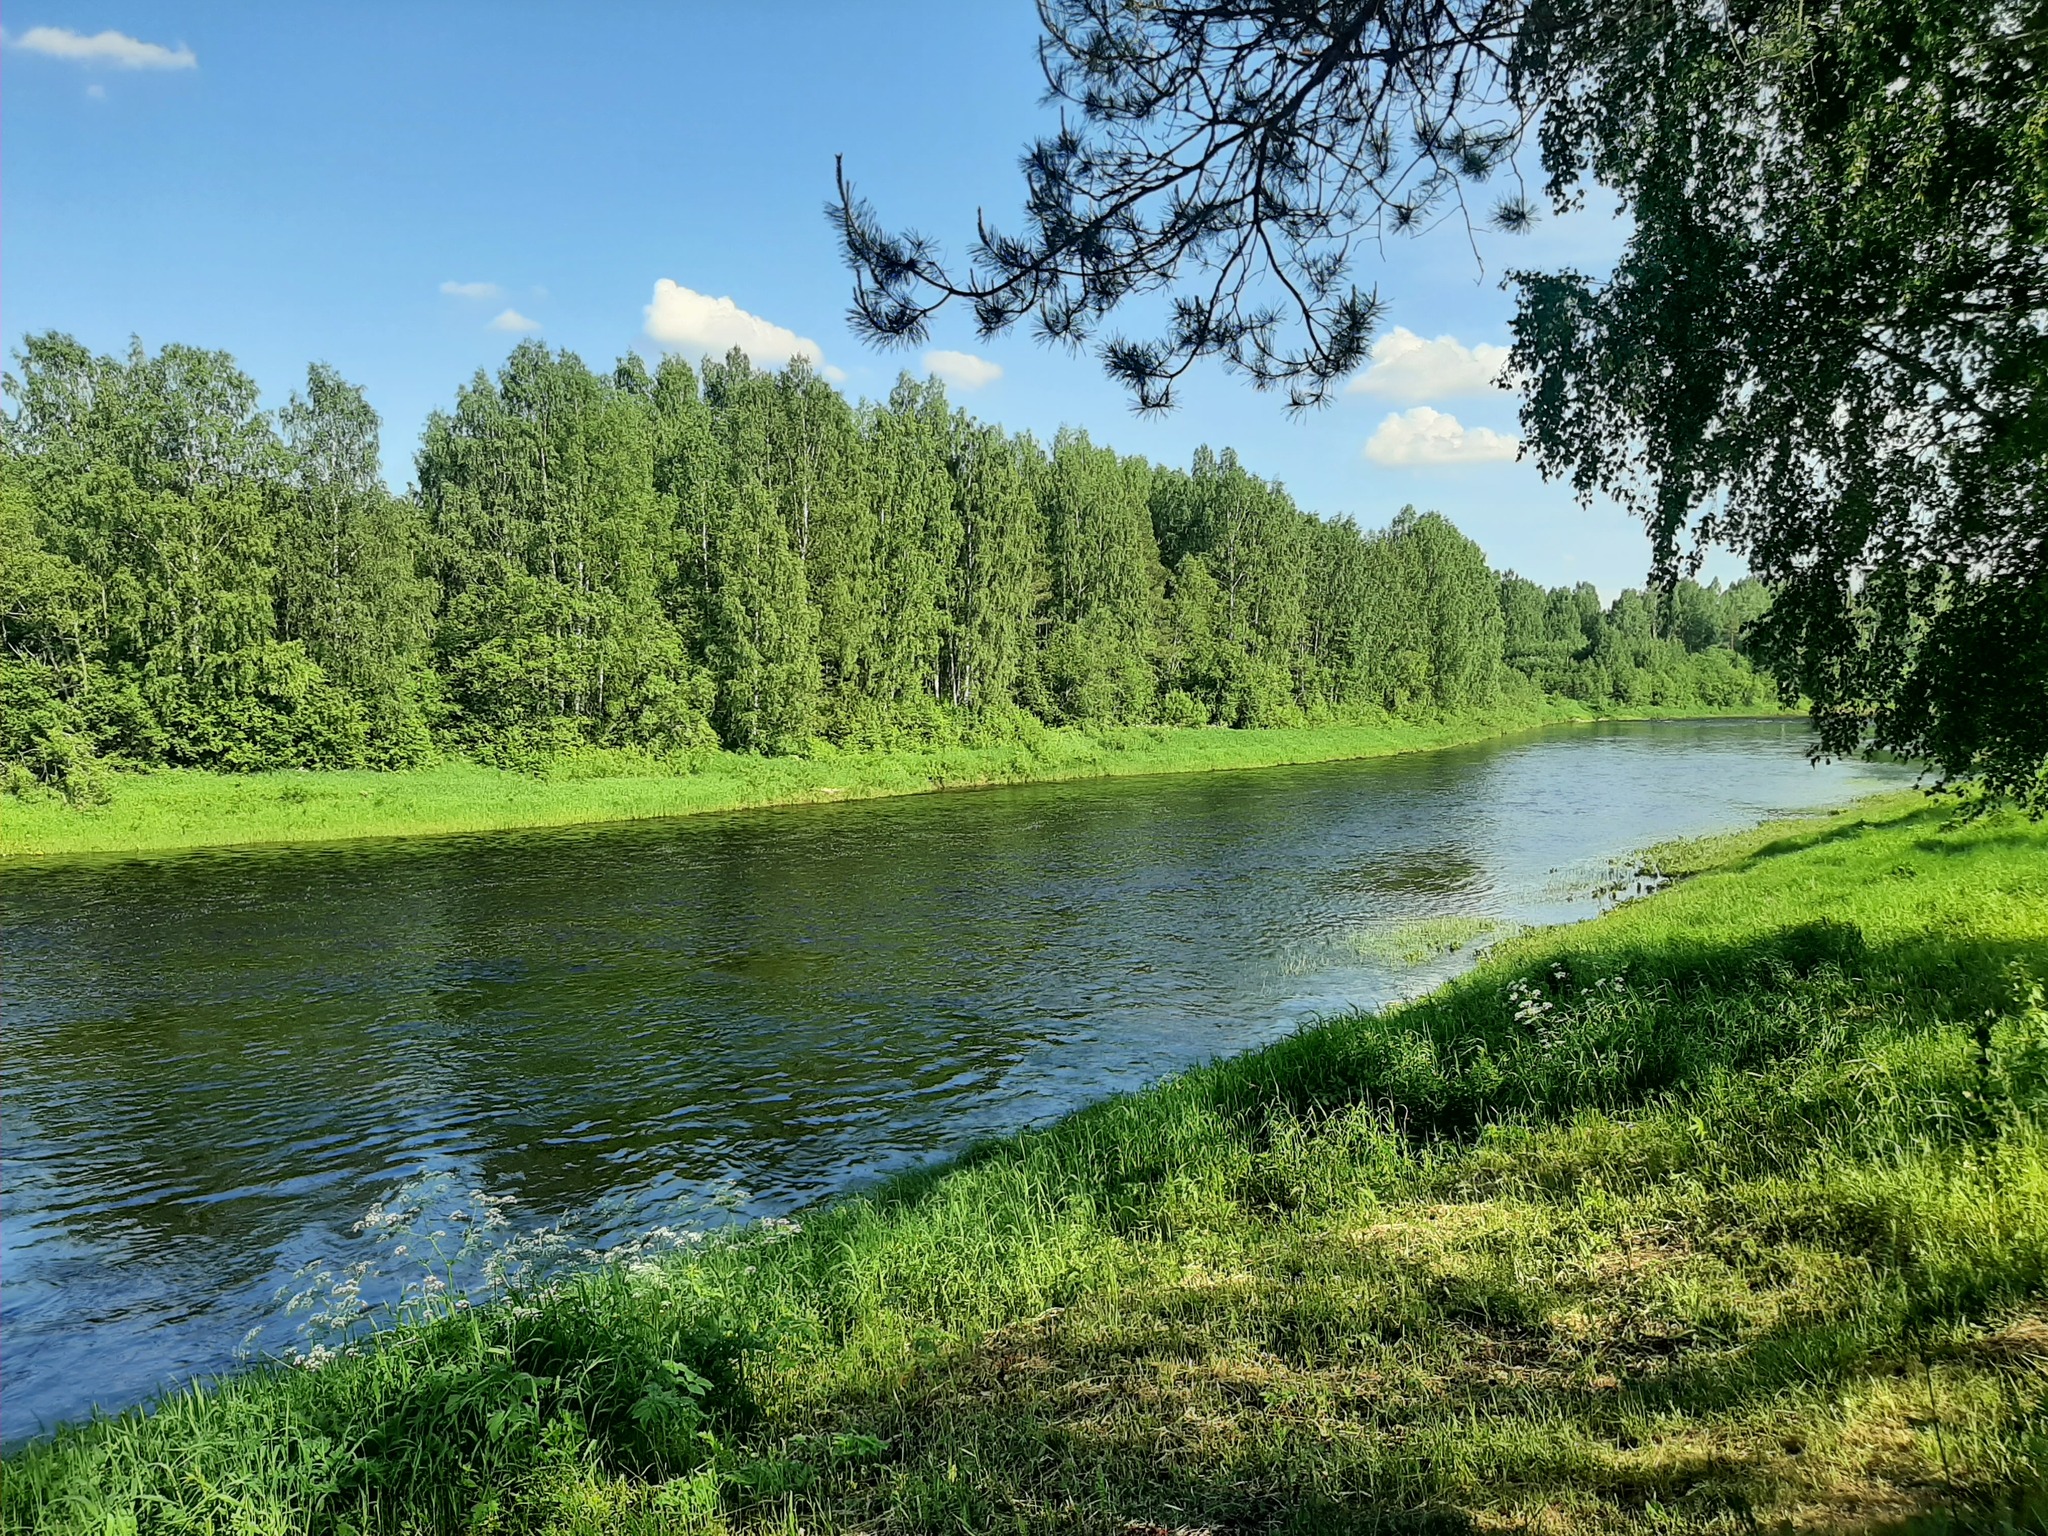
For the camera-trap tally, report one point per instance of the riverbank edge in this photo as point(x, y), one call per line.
point(1820, 846)
point(181, 810)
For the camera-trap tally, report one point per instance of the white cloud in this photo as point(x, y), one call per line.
point(115, 48)
point(1405, 367)
point(1421, 436)
point(685, 320)
point(963, 370)
point(512, 320)
point(472, 290)
point(96, 91)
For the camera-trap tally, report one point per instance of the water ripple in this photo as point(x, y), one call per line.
point(216, 1062)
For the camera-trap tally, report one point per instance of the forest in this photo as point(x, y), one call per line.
point(686, 558)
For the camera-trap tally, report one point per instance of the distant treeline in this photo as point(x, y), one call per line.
point(689, 558)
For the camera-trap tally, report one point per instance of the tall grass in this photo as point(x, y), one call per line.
point(191, 808)
point(1727, 1210)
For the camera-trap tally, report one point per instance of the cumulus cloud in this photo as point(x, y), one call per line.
point(472, 290)
point(684, 320)
point(518, 324)
point(963, 370)
point(1406, 367)
point(117, 49)
point(1420, 436)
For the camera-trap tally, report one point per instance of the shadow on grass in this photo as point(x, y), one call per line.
point(1244, 1301)
point(1142, 1437)
point(1097, 1440)
point(1694, 1019)
point(1683, 1013)
point(1947, 833)
point(2023, 1517)
point(1845, 831)
point(1256, 1401)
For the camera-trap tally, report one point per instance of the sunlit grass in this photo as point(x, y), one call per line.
point(1403, 945)
point(1726, 1211)
point(190, 808)
point(1426, 939)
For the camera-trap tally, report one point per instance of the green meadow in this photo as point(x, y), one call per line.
point(1725, 1211)
point(168, 809)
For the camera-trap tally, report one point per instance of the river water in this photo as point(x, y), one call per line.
point(216, 1062)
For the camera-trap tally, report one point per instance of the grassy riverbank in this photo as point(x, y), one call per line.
point(1727, 1210)
point(172, 809)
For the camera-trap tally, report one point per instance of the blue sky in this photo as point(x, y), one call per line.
point(402, 190)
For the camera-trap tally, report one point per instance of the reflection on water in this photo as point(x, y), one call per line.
point(215, 1062)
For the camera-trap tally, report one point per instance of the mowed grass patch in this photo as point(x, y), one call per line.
point(1726, 1211)
point(192, 808)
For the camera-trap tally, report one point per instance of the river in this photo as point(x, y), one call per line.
point(217, 1062)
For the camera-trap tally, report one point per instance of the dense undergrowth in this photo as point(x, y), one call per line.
point(1726, 1211)
point(196, 808)
point(714, 557)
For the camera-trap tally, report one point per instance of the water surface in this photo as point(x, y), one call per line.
point(215, 1062)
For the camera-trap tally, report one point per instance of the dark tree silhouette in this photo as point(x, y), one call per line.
point(1237, 154)
point(1825, 346)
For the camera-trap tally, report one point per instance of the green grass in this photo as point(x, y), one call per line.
point(1726, 1211)
point(1397, 944)
point(1413, 943)
point(192, 808)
